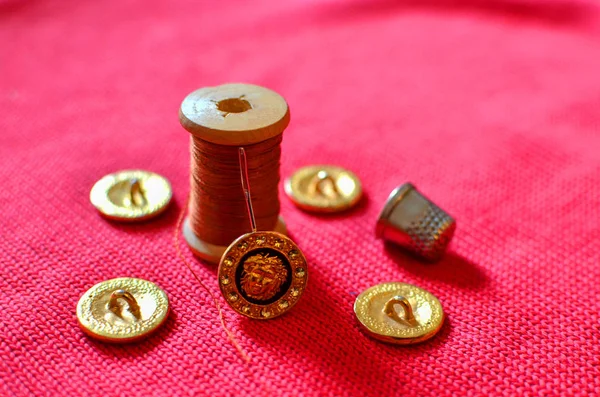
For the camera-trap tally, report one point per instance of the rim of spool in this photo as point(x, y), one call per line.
point(234, 114)
point(210, 252)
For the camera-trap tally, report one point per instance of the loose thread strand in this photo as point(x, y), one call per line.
point(230, 335)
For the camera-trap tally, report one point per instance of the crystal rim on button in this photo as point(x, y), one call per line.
point(262, 275)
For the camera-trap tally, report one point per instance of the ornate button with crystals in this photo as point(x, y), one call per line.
point(131, 195)
point(399, 313)
point(122, 309)
point(262, 275)
point(324, 188)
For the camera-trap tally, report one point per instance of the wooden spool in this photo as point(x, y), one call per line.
point(231, 115)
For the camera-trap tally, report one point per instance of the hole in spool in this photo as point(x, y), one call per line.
point(233, 105)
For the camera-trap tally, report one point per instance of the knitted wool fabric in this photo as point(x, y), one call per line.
point(490, 107)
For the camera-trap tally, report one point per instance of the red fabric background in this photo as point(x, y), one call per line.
point(491, 107)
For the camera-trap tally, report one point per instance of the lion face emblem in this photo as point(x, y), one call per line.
point(263, 276)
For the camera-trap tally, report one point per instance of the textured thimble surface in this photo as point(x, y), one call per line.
point(412, 221)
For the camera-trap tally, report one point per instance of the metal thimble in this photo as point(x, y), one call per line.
point(412, 221)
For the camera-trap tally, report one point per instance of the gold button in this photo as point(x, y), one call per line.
point(324, 188)
point(122, 309)
point(262, 275)
point(132, 195)
point(399, 313)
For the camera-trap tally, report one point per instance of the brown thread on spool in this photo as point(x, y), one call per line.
point(217, 209)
